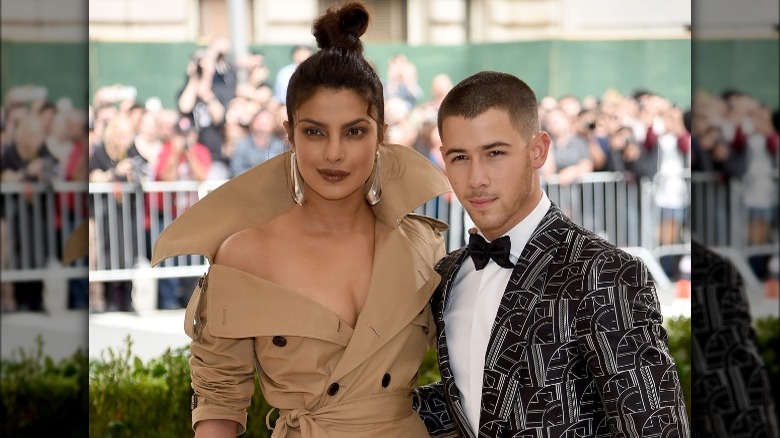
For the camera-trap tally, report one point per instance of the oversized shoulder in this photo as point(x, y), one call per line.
point(425, 234)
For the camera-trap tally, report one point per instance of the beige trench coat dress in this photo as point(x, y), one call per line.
point(326, 378)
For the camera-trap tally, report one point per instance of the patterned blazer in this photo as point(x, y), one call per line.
point(577, 348)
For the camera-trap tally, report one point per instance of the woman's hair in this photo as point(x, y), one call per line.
point(339, 64)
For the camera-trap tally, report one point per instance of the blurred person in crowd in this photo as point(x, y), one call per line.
point(147, 141)
point(103, 114)
point(256, 87)
point(732, 394)
point(429, 143)
point(441, 84)
point(181, 159)
point(401, 129)
point(25, 160)
point(402, 81)
point(260, 144)
point(116, 160)
point(623, 153)
point(298, 54)
point(570, 106)
point(544, 328)
point(569, 155)
point(759, 153)
point(211, 84)
point(294, 242)
point(589, 127)
point(166, 119)
point(46, 113)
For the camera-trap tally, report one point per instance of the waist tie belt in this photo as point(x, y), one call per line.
point(360, 411)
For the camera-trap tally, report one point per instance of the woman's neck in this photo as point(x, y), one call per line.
point(343, 216)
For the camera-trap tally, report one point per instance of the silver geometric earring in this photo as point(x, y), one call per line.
point(297, 183)
point(374, 193)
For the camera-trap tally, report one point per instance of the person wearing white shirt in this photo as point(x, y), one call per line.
point(544, 329)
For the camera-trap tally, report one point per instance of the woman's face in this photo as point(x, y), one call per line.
point(335, 142)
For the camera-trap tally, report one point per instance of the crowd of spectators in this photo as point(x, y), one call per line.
point(221, 127)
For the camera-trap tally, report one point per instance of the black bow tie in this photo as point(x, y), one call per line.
point(481, 251)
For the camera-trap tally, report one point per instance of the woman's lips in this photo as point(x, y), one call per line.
point(333, 175)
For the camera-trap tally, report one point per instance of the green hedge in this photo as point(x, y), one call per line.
point(130, 398)
point(41, 398)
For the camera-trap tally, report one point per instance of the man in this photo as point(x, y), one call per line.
point(559, 337)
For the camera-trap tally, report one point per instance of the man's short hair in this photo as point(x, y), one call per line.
point(491, 89)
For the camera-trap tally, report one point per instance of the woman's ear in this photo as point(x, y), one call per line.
point(384, 133)
point(289, 130)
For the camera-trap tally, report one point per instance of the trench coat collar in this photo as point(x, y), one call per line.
point(265, 191)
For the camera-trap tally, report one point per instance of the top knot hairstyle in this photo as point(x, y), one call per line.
point(339, 64)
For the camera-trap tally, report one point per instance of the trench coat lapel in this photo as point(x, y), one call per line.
point(401, 285)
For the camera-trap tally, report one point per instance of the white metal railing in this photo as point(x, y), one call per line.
point(127, 219)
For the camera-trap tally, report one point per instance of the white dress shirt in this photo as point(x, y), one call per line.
point(471, 310)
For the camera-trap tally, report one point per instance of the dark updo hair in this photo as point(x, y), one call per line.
point(339, 64)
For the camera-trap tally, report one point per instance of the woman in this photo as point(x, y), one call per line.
point(320, 274)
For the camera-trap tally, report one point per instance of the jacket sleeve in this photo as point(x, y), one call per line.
point(222, 369)
point(619, 332)
point(430, 404)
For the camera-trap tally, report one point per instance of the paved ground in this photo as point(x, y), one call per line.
point(152, 332)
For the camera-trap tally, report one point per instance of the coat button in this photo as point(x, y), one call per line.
point(279, 341)
point(385, 380)
point(333, 389)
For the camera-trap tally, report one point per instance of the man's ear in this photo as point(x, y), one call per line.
point(540, 147)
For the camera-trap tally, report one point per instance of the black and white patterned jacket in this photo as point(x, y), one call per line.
point(577, 348)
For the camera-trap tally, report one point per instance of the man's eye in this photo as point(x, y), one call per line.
point(495, 153)
point(458, 158)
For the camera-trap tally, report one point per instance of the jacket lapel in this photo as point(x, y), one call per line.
point(510, 332)
point(448, 268)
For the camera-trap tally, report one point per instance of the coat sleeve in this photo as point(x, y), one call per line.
point(430, 404)
point(222, 369)
point(619, 332)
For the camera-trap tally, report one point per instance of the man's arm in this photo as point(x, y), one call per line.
point(430, 404)
point(618, 326)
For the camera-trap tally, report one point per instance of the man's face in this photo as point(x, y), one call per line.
point(492, 168)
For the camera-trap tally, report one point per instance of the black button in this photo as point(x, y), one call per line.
point(333, 389)
point(385, 380)
point(279, 341)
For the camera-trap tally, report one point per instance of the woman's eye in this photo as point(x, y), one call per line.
point(312, 131)
point(355, 130)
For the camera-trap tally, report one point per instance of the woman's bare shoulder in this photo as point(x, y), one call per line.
point(246, 249)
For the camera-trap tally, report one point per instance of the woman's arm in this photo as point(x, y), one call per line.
point(216, 429)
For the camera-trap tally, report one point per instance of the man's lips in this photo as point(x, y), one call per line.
point(333, 175)
point(481, 202)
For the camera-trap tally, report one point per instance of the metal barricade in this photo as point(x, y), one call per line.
point(37, 220)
